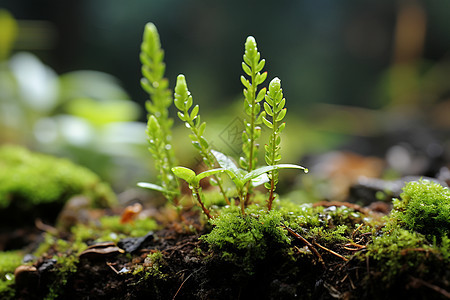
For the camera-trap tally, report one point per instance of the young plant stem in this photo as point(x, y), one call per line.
point(183, 101)
point(197, 194)
point(271, 195)
point(251, 95)
point(274, 107)
point(242, 203)
point(159, 124)
point(210, 160)
point(251, 66)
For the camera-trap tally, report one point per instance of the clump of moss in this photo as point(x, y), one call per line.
point(424, 207)
point(63, 257)
point(30, 180)
point(152, 266)
point(326, 225)
point(246, 239)
point(414, 242)
point(400, 250)
point(109, 228)
point(9, 261)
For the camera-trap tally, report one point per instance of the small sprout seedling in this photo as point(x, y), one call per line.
point(240, 177)
point(252, 67)
point(274, 107)
point(244, 177)
point(159, 124)
point(191, 117)
point(193, 180)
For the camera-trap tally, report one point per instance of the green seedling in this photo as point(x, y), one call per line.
point(159, 124)
point(274, 107)
point(244, 177)
point(191, 117)
point(241, 177)
point(194, 183)
point(252, 66)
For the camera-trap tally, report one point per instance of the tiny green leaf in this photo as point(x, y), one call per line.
point(181, 116)
point(154, 187)
point(225, 162)
point(281, 115)
point(194, 112)
point(245, 82)
point(246, 69)
point(184, 173)
point(260, 66)
point(261, 95)
point(267, 108)
point(201, 128)
point(267, 123)
point(260, 78)
point(209, 173)
point(203, 142)
point(257, 172)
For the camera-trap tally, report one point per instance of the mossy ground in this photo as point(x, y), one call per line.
point(35, 185)
point(293, 252)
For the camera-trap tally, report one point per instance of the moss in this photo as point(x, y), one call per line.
point(394, 251)
point(424, 208)
point(9, 261)
point(415, 240)
point(152, 266)
point(31, 179)
point(109, 228)
point(246, 239)
point(7, 289)
point(333, 236)
point(65, 253)
point(445, 248)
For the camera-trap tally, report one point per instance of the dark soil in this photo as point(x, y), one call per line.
point(190, 270)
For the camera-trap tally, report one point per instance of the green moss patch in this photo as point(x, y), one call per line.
point(37, 185)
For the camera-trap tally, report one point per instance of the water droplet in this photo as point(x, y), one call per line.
point(306, 170)
point(168, 147)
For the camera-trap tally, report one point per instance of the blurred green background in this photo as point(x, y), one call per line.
point(353, 72)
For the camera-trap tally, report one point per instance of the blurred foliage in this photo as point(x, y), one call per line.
point(109, 228)
point(25, 174)
point(9, 261)
point(387, 58)
point(84, 115)
point(8, 32)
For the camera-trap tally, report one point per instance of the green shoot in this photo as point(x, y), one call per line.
point(244, 177)
point(191, 117)
point(240, 177)
point(274, 107)
point(194, 183)
point(252, 67)
point(159, 124)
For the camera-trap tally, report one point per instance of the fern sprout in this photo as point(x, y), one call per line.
point(252, 66)
point(159, 124)
point(191, 117)
point(274, 107)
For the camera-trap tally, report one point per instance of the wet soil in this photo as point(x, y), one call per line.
point(190, 270)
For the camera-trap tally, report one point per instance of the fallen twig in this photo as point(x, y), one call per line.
point(308, 244)
point(331, 251)
point(435, 288)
